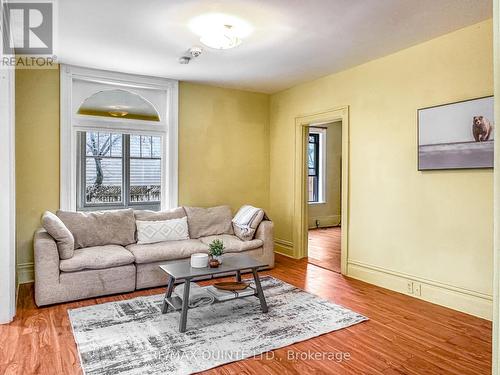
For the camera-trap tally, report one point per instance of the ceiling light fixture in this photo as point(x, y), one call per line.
point(223, 38)
point(220, 31)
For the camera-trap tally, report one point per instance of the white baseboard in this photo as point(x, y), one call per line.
point(467, 301)
point(25, 273)
point(283, 247)
point(324, 221)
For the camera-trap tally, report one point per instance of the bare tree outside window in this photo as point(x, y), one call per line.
point(120, 169)
point(103, 175)
point(99, 152)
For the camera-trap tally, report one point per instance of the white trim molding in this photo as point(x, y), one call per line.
point(300, 209)
point(165, 93)
point(7, 194)
point(461, 299)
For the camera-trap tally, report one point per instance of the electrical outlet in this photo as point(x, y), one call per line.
point(417, 289)
point(409, 287)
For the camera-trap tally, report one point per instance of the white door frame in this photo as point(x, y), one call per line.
point(300, 217)
point(7, 194)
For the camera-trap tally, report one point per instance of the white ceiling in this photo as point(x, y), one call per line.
point(293, 40)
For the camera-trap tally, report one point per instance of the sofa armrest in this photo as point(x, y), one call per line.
point(46, 264)
point(265, 232)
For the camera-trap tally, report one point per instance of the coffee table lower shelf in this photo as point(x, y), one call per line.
point(183, 271)
point(175, 302)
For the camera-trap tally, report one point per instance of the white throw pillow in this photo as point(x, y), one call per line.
point(246, 221)
point(159, 231)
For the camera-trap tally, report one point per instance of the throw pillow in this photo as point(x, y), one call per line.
point(204, 222)
point(146, 215)
point(99, 228)
point(159, 231)
point(246, 221)
point(60, 233)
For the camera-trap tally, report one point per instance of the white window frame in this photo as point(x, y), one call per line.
point(7, 195)
point(322, 164)
point(72, 123)
point(7, 191)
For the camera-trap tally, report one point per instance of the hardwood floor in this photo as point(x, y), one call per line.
point(324, 248)
point(403, 336)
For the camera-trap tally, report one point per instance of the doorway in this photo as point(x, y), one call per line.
point(324, 185)
point(302, 182)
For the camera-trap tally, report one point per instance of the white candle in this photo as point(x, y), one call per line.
point(199, 260)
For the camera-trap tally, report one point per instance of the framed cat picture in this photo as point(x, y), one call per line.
point(456, 135)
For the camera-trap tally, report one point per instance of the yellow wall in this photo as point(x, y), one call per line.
point(224, 147)
point(37, 155)
point(238, 147)
point(328, 213)
point(434, 226)
point(223, 150)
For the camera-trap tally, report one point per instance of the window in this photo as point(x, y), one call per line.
point(145, 169)
point(118, 140)
point(316, 153)
point(119, 103)
point(119, 170)
point(313, 166)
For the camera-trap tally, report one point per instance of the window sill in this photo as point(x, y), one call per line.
point(315, 203)
point(152, 207)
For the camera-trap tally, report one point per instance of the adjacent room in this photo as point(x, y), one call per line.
point(249, 187)
point(324, 184)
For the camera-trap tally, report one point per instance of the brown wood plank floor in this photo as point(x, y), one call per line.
point(324, 248)
point(403, 336)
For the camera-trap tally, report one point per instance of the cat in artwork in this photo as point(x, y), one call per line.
point(481, 128)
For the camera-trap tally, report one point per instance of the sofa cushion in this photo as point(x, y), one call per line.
point(156, 252)
point(60, 233)
point(233, 244)
point(146, 215)
point(97, 257)
point(114, 227)
point(204, 222)
point(164, 230)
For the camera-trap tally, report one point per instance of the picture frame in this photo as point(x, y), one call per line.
point(456, 135)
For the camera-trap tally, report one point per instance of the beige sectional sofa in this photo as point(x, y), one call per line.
point(117, 263)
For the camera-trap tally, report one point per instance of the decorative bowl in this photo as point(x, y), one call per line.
point(232, 285)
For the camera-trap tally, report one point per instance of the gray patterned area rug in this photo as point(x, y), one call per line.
point(133, 337)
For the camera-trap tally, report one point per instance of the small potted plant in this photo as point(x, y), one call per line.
point(216, 249)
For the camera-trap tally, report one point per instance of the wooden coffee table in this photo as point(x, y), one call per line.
point(182, 270)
